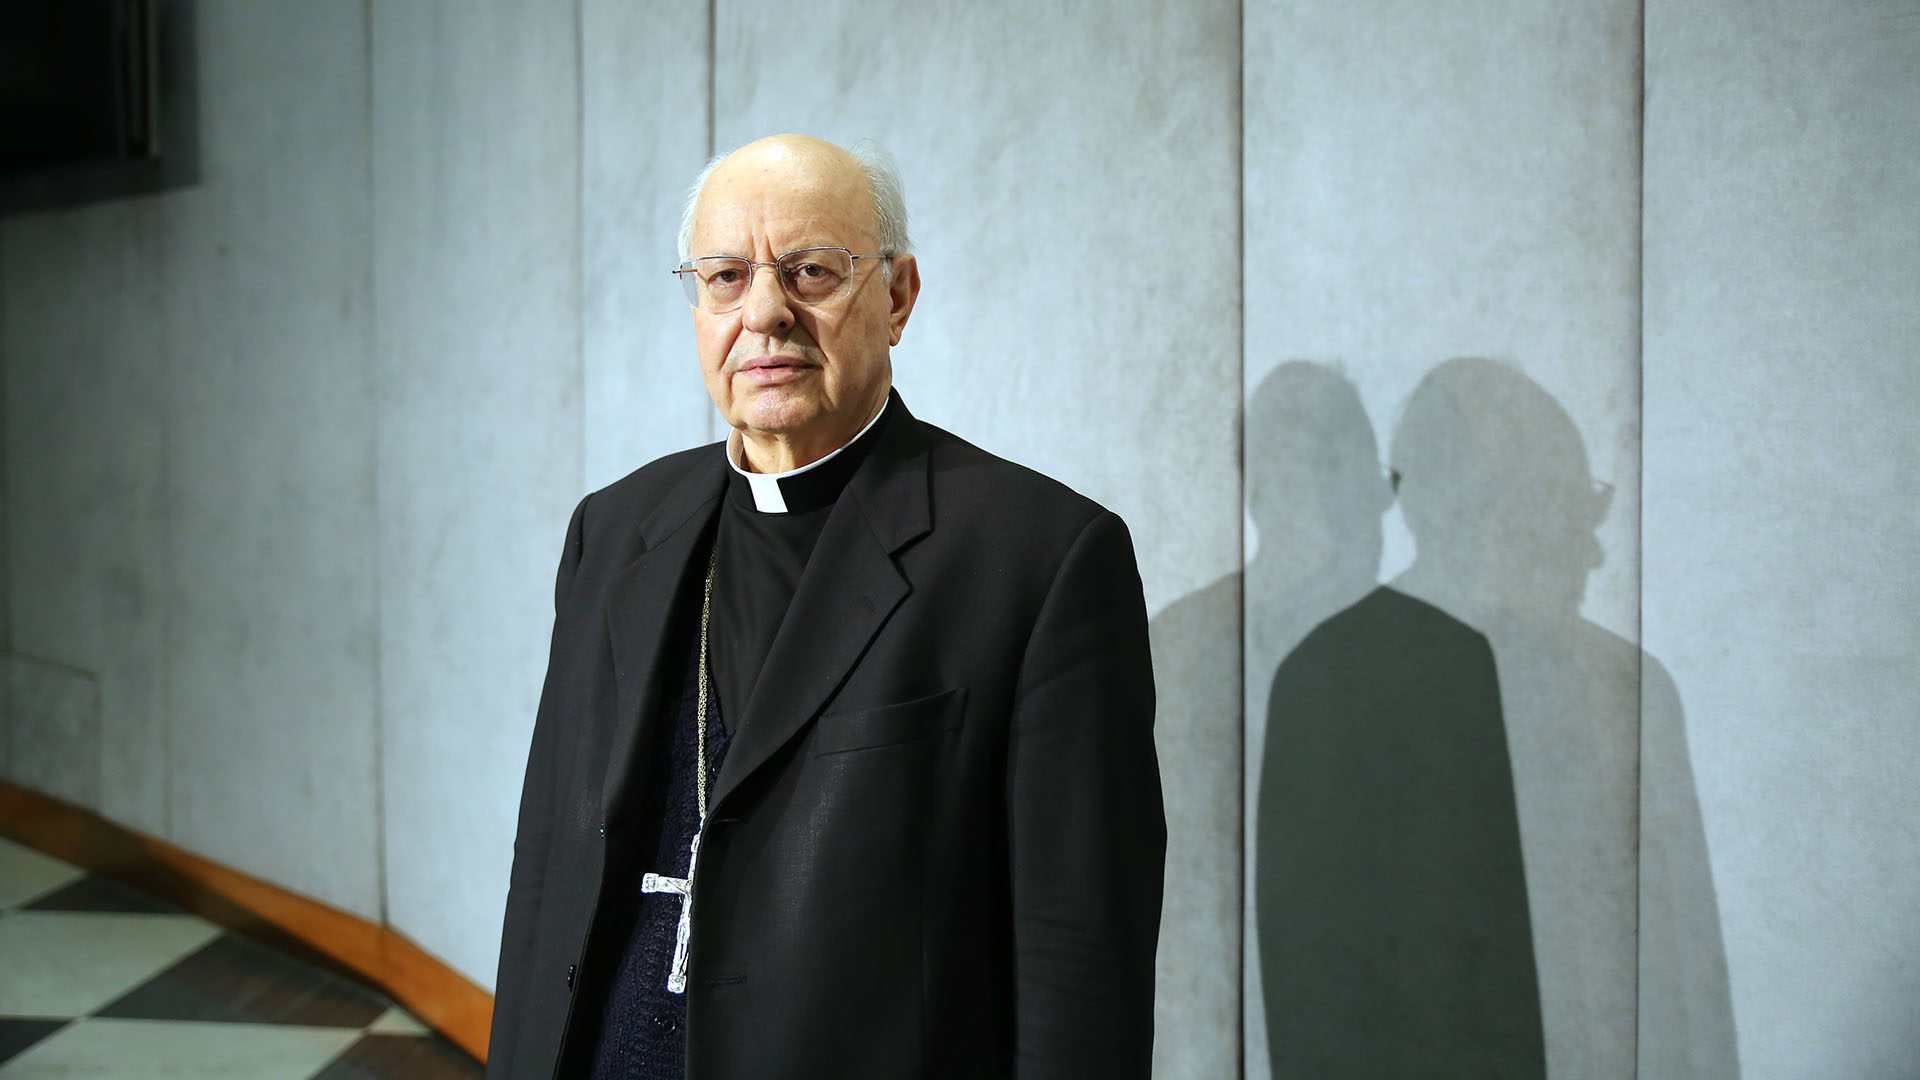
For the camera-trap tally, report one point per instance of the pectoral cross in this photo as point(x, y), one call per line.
point(683, 888)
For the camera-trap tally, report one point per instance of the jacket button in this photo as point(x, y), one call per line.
point(570, 970)
point(603, 828)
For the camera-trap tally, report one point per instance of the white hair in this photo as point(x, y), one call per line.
point(883, 180)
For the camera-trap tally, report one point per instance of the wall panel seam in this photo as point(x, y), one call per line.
point(1238, 525)
point(378, 651)
point(713, 78)
point(580, 237)
point(1640, 536)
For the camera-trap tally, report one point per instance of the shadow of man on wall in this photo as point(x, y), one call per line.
point(1498, 493)
point(1389, 893)
point(1315, 493)
point(1455, 838)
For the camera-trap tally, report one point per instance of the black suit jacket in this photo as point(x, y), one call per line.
point(935, 848)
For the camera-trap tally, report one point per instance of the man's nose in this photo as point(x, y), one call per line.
point(766, 309)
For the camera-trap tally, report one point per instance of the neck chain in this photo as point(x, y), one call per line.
point(700, 715)
point(683, 887)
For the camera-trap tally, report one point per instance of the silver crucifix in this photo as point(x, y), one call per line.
point(683, 888)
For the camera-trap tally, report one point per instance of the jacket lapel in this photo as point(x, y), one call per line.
point(640, 603)
point(849, 588)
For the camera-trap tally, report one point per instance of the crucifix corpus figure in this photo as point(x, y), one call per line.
point(681, 887)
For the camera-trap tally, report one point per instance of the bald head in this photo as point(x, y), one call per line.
point(792, 162)
point(861, 182)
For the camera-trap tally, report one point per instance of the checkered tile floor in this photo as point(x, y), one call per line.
point(102, 982)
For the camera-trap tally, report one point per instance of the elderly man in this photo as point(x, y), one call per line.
point(844, 763)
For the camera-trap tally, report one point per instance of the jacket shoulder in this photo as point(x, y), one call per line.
point(646, 485)
point(606, 531)
point(976, 486)
point(633, 496)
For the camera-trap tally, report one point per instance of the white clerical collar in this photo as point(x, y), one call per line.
point(766, 486)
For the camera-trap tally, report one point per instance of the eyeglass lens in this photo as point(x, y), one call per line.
point(719, 283)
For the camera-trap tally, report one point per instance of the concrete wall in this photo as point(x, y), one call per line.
point(268, 411)
point(476, 167)
point(1423, 183)
point(86, 515)
point(288, 454)
point(1782, 504)
point(190, 476)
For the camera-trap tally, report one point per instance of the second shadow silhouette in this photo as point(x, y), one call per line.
point(1389, 888)
point(1448, 870)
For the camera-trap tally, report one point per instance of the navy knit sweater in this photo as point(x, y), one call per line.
point(639, 1030)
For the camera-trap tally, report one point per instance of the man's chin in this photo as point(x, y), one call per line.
point(770, 412)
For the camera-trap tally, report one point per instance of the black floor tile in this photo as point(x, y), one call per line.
point(18, 1034)
point(402, 1057)
point(93, 893)
point(234, 980)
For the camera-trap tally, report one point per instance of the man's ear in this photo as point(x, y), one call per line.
point(904, 290)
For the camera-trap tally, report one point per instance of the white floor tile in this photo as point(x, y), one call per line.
point(171, 1050)
point(69, 963)
point(397, 1021)
point(25, 874)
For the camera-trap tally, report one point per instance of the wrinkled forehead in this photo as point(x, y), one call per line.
point(760, 207)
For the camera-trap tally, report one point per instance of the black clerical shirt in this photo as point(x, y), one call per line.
point(761, 557)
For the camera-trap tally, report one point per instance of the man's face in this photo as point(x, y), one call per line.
point(812, 375)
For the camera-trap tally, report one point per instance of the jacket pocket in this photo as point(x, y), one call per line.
point(889, 725)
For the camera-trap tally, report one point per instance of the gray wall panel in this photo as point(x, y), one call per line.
point(1782, 565)
point(1422, 183)
point(86, 490)
point(477, 267)
point(269, 458)
point(1070, 176)
point(55, 747)
point(643, 70)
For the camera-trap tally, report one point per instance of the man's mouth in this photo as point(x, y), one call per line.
point(773, 370)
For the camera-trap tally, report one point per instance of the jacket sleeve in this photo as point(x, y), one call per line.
point(1087, 829)
point(527, 879)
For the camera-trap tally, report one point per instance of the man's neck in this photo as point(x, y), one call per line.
point(766, 453)
point(772, 452)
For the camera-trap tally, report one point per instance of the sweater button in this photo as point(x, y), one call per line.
point(571, 968)
point(603, 828)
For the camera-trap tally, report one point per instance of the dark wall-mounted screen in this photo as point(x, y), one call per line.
point(95, 100)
